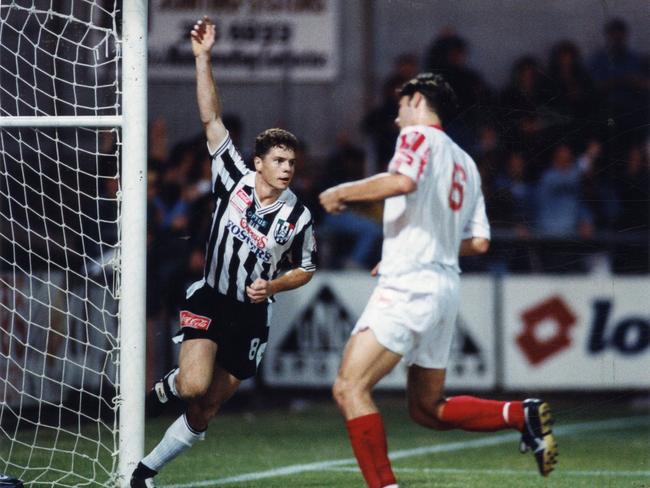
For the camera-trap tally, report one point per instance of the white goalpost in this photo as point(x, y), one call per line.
point(73, 183)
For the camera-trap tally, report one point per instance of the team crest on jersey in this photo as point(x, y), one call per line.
point(283, 231)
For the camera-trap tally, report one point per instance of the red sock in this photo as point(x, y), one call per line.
point(368, 440)
point(471, 413)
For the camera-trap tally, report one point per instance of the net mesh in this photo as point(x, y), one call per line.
point(59, 244)
point(59, 57)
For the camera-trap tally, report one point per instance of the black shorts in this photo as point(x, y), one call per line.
point(239, 329)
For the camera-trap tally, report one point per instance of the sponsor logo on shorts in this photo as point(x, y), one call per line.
point(193, 321)
point(283, 231)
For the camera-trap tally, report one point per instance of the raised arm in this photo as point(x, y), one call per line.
point(203, 35)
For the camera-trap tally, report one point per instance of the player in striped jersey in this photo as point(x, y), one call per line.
point(259, 229)
point(434, 211)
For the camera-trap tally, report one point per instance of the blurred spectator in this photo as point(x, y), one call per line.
point(171, 209)
point(513, 203)
point(169, 213)
point(406, 66)
point(158, 142)
point(488, 141)
point(351, 239)
point(572, 89)
point(623, 83)
point(198, 195)
point(562, 216)
point(512, 209)
point(633, 189)
point(448, 55)
point(305, 182)
point(560, 209)
point(527, 91)
point(153, 225)
point(379, 123)
point(525, 116)
point(235, 127)
point(531, 138)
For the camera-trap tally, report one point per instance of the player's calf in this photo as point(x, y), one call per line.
point(425, 413)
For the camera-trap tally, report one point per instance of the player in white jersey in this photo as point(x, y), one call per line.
point(434, 211)
point(259, 228)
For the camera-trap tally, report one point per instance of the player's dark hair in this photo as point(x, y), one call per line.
point(439, 94)
point(274, 137)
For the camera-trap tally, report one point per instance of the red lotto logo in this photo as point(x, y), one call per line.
point(193, 321)
point(555, 311)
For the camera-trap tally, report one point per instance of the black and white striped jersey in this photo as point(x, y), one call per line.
point(248, 241)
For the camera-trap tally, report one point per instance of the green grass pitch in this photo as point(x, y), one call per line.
point(603, 442)
point(601, 445)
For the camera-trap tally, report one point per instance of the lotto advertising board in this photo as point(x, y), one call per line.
point(256, 40)
point(578, 333)
point(311, 325)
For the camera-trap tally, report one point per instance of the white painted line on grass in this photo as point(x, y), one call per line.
point(618, 423)
point(515, 472)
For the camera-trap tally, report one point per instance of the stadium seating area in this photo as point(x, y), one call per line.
point(562, 150)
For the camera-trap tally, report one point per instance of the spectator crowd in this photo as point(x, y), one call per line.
point(562, 151)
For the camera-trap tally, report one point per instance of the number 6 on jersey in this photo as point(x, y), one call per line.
point(456, 192)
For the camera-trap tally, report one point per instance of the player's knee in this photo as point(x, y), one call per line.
point(418, 414)
point(344, 391)
point(191, 388)
point(338, 392)
point(425, 413)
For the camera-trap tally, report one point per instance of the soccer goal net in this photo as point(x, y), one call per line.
point(72, 232)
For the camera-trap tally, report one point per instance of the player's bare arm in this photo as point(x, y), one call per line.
point(260, 289)
point(374, 188)
point(474, 246)
point(203, 36)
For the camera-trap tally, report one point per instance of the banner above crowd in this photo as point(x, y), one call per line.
point(257, 40)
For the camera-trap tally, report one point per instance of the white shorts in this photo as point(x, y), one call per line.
point(414, 315)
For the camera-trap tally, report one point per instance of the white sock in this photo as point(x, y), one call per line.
point(178, 438)
point(171, 382)
point(506, 411)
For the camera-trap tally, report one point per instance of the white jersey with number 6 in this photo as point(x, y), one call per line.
point(425, 228)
